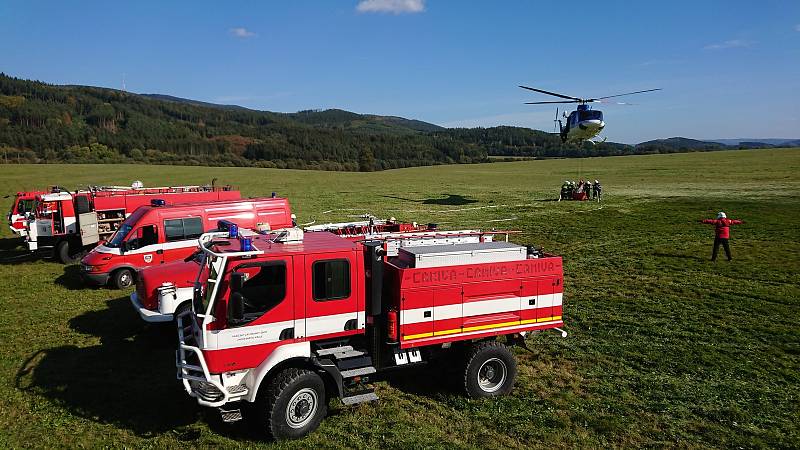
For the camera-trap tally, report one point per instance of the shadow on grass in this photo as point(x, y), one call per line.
point(449, 200)
point(128, 380)
point(71, 278)
point(13, 251)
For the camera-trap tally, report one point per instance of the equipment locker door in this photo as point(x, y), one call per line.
point(529, 301)
point(331, 291)
point(490, 303)
point(448, 315)
point(416, 314)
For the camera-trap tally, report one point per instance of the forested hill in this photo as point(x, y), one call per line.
point(48, 123)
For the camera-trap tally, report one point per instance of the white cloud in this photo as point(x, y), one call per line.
point(241, 32)
point(733, 43)
point(391, 6)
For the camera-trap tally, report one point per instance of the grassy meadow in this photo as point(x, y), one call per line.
point(665, 348)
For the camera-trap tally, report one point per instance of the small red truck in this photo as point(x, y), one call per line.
point(285, 321)
point(74, 222)
point(22, 205)
point(157, 234)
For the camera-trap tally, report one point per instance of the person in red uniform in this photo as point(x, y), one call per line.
point(722, 233)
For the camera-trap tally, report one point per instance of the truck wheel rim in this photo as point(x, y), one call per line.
point(492, 375)
point(125, 279)
point(301, 408)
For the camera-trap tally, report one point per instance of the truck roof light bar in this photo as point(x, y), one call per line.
point(207, 239)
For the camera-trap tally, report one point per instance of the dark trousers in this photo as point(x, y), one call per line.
point(724, 242)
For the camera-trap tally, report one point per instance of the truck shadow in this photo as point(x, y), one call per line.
point(128, 380)
point(13, 251)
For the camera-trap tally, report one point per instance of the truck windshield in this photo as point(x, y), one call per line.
point(25, 205)
point(202, 288)
point(119, 236)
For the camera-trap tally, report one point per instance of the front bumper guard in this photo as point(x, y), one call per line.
point(193, 370)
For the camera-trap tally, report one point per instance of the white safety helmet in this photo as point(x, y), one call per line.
point(721, 215)
point(596, 182)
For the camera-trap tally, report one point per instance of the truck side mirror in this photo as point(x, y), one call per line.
point(123, 246)
point(236, 307)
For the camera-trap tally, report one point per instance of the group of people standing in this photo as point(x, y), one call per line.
point(582, 190)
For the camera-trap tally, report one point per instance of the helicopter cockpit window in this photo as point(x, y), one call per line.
point(591, 115)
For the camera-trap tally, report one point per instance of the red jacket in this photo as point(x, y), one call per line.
point(723, 230)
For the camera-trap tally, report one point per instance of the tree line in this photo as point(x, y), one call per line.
point(42, 123)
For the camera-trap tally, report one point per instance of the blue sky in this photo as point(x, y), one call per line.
point(728, 68)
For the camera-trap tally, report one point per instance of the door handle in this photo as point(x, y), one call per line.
point(287, 333)
point(532, 302)
point(426, 314)
point(160, 251)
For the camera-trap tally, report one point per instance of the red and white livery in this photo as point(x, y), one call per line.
point(288, 319)
point(23, 204)
point(158, 234)
point(74, 222)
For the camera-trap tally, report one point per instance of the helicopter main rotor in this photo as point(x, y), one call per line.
point(581, 101)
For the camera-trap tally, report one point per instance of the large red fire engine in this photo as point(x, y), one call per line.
point(287, 320)
point(72, 223)
point(22, 205)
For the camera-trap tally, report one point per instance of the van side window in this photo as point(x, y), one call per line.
point(263, 290)
point(182, 229)
point(331, 279)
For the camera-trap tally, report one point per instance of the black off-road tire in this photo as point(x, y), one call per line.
point(122, 278)
point(292, 405)
point(65, 255)
point(490, 370)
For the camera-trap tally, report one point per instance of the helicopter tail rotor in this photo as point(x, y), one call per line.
point(555, 122)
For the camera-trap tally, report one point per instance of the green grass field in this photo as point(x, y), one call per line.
point(665, 348)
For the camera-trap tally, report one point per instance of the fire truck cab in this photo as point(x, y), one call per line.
point(286, 321)
point(160, 233)
point(24, 204)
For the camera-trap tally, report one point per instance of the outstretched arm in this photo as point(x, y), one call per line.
point(709, 221)
point(736, 222)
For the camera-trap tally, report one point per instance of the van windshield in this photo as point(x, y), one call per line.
point(119, 236)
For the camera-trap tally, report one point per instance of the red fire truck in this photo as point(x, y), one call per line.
point(22, 205)
point(74, 222)
point(158, 234)
point(286, 321)
point(165, 290)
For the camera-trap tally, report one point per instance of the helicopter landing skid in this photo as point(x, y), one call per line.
point(598, 142)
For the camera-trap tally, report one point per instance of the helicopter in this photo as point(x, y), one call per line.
point(584, 123)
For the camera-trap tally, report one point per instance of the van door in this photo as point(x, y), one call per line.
point(142, 248)
point(331, 295)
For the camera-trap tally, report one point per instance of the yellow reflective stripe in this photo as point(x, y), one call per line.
point(417, 336)
point(480, 327)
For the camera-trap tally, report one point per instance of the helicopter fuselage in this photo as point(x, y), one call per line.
point(582, 124)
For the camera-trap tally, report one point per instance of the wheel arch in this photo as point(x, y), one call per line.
point(297, 354)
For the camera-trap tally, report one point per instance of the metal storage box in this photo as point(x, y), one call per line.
point(460, 254)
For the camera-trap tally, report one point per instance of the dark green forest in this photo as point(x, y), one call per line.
point(43, 123)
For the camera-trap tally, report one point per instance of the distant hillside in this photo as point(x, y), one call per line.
point(40, 122)
point(680, 143)
point(169, 98)
point(767, 141)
